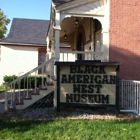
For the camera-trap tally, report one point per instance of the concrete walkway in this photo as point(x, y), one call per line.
point(2, 98)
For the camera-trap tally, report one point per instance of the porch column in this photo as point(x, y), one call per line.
point(52, 55)
point(52, 47)
point(57, 40)
point(48, 50)
point(48, 56)
point(105, 32)
point(56, 52)
point(105, 41)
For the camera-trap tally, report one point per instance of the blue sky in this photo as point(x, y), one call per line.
point(30, 9)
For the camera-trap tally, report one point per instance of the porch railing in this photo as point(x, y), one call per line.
point(16, 92)
point(130, 96)
point(86, 55)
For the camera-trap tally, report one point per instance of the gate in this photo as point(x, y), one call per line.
point(130, 96)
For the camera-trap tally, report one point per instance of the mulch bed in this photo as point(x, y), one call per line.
point(40, 114)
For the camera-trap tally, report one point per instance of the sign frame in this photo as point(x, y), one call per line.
point(88, 63)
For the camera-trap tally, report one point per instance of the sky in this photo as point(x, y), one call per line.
point(30, 9)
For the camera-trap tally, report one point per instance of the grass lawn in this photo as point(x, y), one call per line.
point(70, 130)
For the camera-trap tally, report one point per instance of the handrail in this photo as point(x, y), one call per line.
point(12, 95)
point(33, 70)
point(81, 52)
point(135, 81)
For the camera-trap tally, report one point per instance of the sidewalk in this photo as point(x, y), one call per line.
point(2, 98)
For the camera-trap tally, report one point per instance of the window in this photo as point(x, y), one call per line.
point(41, 59)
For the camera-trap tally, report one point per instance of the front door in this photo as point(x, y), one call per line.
point(80, 47)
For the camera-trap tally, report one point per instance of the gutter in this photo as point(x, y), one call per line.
point(20, 44)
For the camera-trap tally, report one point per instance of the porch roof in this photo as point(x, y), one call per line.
point(59, 2)
point(27, 32)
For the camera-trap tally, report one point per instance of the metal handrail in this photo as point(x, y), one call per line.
point(33, 70)
point(12, 84)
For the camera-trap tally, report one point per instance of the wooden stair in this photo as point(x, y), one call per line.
point(33, 97)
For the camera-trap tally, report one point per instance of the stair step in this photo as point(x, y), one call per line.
point(50, 84)
point(27, 98)
point(33, 92)
point(24, 97)
point(16, 102)
point(34, 97)
point(43, 88)
point(12, 108)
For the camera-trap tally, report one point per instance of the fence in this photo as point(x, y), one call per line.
point(85, 55)
point(130, 96)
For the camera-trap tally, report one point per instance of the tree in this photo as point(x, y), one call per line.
point(4, 21)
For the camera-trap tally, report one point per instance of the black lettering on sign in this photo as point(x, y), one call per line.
point(97, 98)
point(90, 98)
point(79, 70)
point(79, 79)
point(77, 98)
point(105, 79)
point(84, 98)
point(94, 69)
point(98, 79)
point(71, 78)
point(76, 88)
point(112, 79)
point(64, 78)
point(72, 69)
point(98, 88)
point(105, 99)
point(85, 78)
point(69, 98)
point(91, 79)
point(90, 88)
point(87, 69)
point(83, 88)
point(102, 70)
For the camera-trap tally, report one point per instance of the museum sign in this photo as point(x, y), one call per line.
point(88, 83)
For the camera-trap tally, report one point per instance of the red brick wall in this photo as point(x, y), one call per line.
point(125, 37)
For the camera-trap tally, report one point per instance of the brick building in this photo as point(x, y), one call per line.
point(107, 26)
point(125, 37)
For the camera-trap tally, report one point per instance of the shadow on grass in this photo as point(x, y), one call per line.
point(21, 126)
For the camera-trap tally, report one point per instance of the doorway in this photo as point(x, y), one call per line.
point(80, 47)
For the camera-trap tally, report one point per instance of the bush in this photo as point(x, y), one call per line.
point(9, 78)
point(2, 88)
point(23, 82)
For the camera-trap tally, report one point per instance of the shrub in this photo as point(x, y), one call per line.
point(23, 82)
point(9, 78)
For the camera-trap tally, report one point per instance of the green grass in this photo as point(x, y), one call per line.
point(2, 88)
point(70, 130)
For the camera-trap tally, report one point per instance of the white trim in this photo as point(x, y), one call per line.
point(83, 14)
point(2, 43)
point(73, 4)
point(57, 27)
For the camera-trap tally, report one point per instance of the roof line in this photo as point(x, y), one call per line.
point(2, 43)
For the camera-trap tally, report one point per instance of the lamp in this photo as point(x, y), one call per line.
point(76, 22)
point(65, 36)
